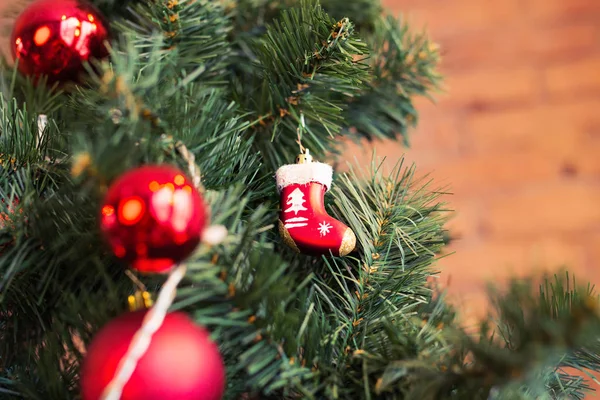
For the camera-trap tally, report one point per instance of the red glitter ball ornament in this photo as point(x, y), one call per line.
point(181, 363)
point(55, 37)
point(153, 218)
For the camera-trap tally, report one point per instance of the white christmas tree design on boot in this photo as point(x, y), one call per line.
point(303, 222)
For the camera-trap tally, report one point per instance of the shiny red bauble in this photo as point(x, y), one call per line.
point(181, 363)
point(153, 218)
point(55, 38)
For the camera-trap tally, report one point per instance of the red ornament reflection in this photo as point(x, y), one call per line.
point(55, 37)
point(153, 218)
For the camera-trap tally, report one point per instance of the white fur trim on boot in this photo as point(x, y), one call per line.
point(302, 174)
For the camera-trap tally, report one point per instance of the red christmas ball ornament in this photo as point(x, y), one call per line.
point(153, 218)
point(55, 37)
point(181, 363)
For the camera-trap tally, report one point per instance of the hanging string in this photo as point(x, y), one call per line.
point(299, 131)
point(139, 284)
point(42, 123)
point(141, 340)
point(193, 168)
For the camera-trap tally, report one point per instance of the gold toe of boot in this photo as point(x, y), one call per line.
point(348, 242)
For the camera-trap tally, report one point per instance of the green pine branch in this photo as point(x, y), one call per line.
point(308, 66)
point(363, 13)
point(403, 66)
point(522, 348)
point(23, 142)
point(248, 296)
point(195, 30)
point(369, 301)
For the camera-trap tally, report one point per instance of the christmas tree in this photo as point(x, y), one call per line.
point(171, 226)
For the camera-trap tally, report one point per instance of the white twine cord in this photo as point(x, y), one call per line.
point(193, 169)
point(42, 122)
point(142, 338)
